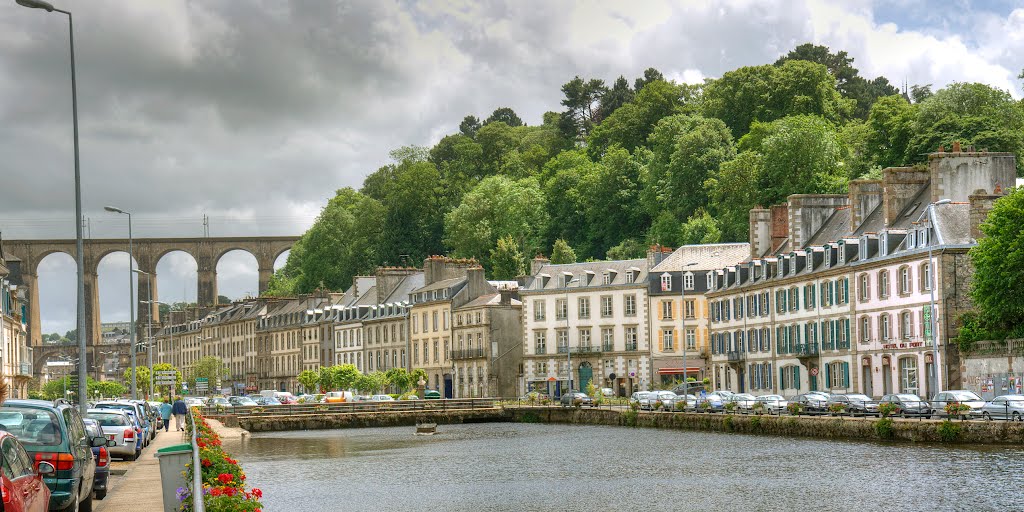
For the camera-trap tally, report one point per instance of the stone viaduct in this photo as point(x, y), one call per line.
point(147, 252)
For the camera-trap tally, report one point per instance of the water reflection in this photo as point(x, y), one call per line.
point(505, 466)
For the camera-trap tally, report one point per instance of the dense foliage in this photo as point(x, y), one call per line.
point(621, 166)
point(997, 286)
point(224, 488)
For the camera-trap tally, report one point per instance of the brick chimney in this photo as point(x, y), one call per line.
point(808, 212)
point(657, 253)
point(980, 207)
point(956, 176)
point(538, 262)
point(899, 186)
point(865, 196)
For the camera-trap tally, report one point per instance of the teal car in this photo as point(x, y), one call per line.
point(54, 432)
point(431, 394)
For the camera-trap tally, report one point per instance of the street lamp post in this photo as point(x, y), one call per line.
point(682, 320)
point(149, 326)
point(933, 280)
point(79, 245)
point(131, 297)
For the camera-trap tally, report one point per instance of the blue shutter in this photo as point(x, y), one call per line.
point(828, 376)
point(846, 375)
point(796, 377)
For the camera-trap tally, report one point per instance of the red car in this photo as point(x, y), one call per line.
point(23, 487)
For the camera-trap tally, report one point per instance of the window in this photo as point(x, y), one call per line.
point(539, 314)
point(563, 341)
point(629, 276)
point(794, 299)
point(585, 337)
point(540, 342)
point(905, 284)
point(926, 276)
point(584, 311)
point(666, 310)
point(809, 298)
point(689, 309)
point(711, 280)
point(666, 339)
point(906, 324)
point(607, 339)
point(542, 367)
point(606, 278)
point(630, 305)
point(691, 339)
point(865, 329)
point(666, 283)
point(837, 375)
point(908, 375)
point(630, 338)
point(865, 287)
point(883, 284)
point(561, 309)
point(415, 324)
point(688, 281)
point(883, 326)
point(434, 323)
point(606, 306)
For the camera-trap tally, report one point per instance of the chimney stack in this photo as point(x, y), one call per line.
point(980, 207)
point(538, 262)
point(956, 176)
point(865, 196)
point(760, 233)
point(899, 186)
point(808, 212)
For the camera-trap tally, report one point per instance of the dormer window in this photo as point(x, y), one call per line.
point(666, 282)
point(842, 254)
point(566, 279)
point(883, 245)
point(630, 275)
point(711, 280)
point(912, 239)
point(828, 256)
point(606, 278)
point(688, 281)
point(922, 239)
point(444, 293)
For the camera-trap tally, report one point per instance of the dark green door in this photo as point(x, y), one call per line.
point(586, 375)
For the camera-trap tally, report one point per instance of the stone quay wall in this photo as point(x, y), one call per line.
point(326, 421)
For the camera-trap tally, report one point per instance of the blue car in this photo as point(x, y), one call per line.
point(712, 402)
point(99, 486)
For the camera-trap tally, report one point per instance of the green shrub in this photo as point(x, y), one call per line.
point(727, 423)
point(884, 428)
point(949, 432)
point(529, 417)
point(755, 423)
point(887, 409)
point(629, 417)
point(681, 406)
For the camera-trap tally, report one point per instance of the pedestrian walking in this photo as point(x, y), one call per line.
point(180, 410)
point(165, 414)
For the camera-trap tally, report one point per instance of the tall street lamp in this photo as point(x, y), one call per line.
point(682, 319)
point(131, 297)
point(79, 246)
point(933, 280)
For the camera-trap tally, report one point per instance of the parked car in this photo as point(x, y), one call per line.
point(773, 403)
point(607, 392)
point(1005, 407)
point(241, 401)
point(958, 396)
point(23, 488)
point(382, 398)
point(637, 396)
point(337, 397)
point(813, 403)
point(715, 402)
point(99, 486)
point(195, 401)
point(855, 404)
point(907, 404)
point(117, 426)
point(220, 402)
point(569, 398)
point(53, 432)
point(159, 420)
point(432, 394)
point(137, 411)
point(744, 401)
point(688, 401)
point(653, 397)
point(267, 400)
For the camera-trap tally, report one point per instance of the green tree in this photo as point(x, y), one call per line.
point(997, 285)
point(615, 210)
point(767, 93)
point(628, 249)
point(733, 192)
point(801, 156)
point(209, 367)
point(371, 383)
point(504, 115)
point(562, 253)
point(497, 207)
point(507, 261)
point(582, 103)
point(849, 83)
point(326, 377)
point(567, 177)
point(630, 125)
point(345, 376)
point(617, 96)
point(919, 93)
point(417, 375)
point(469, 126)
point(141, 378)
point(700, 228)
point(310, 380)
point(650, 75)
point(164, 390)
point(400, 379)
point(413, 220)
point(889, 129)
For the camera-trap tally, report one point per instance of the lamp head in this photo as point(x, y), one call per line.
point(943, 201)
point(35, 4)
point(113, 209)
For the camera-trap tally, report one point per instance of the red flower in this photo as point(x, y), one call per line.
point(257, 492)
point(201, 444)
point(225, 478)
point(215, 491)
point(206, 463)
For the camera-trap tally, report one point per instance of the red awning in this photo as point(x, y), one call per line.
point(670, 371)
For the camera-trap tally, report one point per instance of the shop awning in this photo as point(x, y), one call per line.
point(679, 371)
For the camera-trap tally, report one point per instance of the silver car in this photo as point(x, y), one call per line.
point(772, 403)
point(744, 401)
point(1005, 407)
point(959, 396)
point(117, 427)
point(652, 397)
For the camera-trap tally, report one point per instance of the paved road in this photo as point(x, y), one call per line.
point(138, 489)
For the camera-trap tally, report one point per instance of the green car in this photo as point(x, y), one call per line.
point(431, 394)
point(54, 432)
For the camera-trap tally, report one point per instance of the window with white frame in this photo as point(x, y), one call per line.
point(883, 284)
point(690, 308)
point(540, 342)
point(926, 276)
point(584, 337)
point(865, 328)
point(906, 324)
point(630, 305)
point(883, 326)
point(584, 305)
point(688, 281)
point(691, 339)
point(607, 339)
point(864, 287)
point(539, 311)
point(711, 280)
point(905, 284)
point(561, 309)
point(666, 310)
point(631, 338)
point(563, 341)
point(630, 275)
point(606, 306)
point(666, 339)
point(542, 367)
point(666, 282)
point(606, 278)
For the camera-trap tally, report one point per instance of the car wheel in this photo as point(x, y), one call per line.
point(86, 506)
point(986, 416)
point(1016, 417)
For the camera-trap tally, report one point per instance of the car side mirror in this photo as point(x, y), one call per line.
point(96, 442)
point(45, 468)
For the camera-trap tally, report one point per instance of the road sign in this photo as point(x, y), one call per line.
point(165, 373)
point(202, 379)
point(814, 372)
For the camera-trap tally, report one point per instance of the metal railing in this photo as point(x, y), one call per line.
point(805, 349)
point(197, 469)
point(469, 353)
point(357, 407)
point(735, 356)
point(586, 349)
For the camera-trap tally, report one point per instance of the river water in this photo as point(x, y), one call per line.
point(510, 466)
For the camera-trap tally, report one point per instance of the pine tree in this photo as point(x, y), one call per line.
point(562, 253)
point(507, 260)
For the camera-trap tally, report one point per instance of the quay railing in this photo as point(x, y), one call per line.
point(357, 407)
point(197, 469)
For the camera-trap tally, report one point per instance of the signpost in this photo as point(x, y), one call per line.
point(202, 384)
point(166, 378)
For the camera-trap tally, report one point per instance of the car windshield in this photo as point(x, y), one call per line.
point(965, 395)
point(909, 398)
point(858, 397)
point(108, 419)
point(31, 426)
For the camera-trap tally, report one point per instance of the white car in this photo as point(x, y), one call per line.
point(381, 398)
point(772, 403)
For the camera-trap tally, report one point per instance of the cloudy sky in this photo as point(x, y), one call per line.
point(255, 112)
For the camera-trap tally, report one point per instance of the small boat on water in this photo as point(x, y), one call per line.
point(426, 429)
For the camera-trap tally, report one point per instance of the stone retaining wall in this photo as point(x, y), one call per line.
point(324, 421)
point(823, 427)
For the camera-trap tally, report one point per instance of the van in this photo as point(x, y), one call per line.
point(335, 397)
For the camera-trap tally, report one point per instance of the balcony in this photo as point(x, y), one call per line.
point(805, 350)
point(586, 349)
point(469, 353)
point(25, 369)
point(631, 346)
point(735, 356)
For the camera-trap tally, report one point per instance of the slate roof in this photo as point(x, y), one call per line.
point(837, 226)
point(953, 223)
point(707, 257)
point(490, 299)
point(597, 268)
point(402, 291)
point(440, 285)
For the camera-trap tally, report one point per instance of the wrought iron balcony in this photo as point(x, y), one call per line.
point(469, 353)
point(735, 356)
point(805, 349)
point(586, 349)
point(25, 369)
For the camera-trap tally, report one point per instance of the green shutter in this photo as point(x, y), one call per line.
point(782, 377)
point(846, 375)
point(796, 377)
point(828, 376)
point(846, 322)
